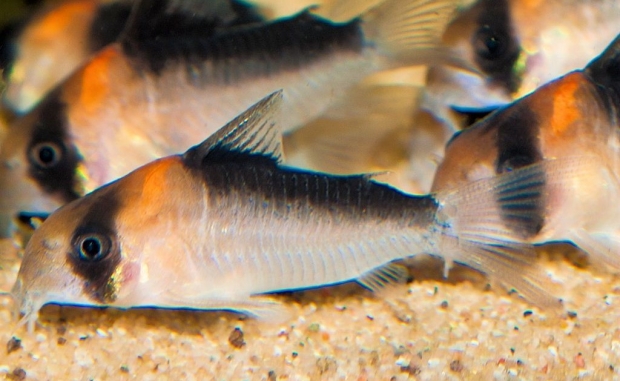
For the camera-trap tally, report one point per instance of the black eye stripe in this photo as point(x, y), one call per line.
point(53, 160)
point(495, 43)
point(96, 251)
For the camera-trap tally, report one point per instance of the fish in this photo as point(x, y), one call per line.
point(516, 46)
point(60, 38)
point(570, 129)
point(226, 221)
point(124, 107)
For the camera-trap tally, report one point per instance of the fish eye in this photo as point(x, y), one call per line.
point(45, 155)
point(488, 44)
point(92, 247)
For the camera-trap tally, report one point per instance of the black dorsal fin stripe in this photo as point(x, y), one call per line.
point(158, 30)
point(253, 135)
point(248, 50)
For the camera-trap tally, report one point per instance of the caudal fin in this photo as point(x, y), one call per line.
point(410, 31)
point(481, 229)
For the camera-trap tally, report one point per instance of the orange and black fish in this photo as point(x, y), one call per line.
point(570, 128)
point(143, 99)
point(60, 38)
point(516, 46)
point(225, 221)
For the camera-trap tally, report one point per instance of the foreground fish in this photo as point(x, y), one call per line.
point(59, 39)
point(571, 127)
point(517, 46)
point(124, 108)
point(225, 221)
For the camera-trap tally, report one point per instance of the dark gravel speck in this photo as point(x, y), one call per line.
point(413, 370)
point(18, 374)
point(271, 376)
point(236, 338)
point(13, 345)
point(572, 314)
point(456, 366)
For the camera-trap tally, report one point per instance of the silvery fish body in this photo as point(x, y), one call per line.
point(214, 227)
point(138, 101)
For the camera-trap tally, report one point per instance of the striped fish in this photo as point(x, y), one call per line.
point(143, 99)
point(225, 221)
point(570, 129)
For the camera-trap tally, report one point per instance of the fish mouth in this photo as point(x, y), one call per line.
point(469, 115)
point(20, 226)
point(31, 219)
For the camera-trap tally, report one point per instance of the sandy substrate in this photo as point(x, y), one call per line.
point(427, 329)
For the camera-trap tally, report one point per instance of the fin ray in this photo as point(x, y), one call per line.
point(252, 133)
point(261, 307)
point(411, 29)
point(383, 276)
point(486, 236)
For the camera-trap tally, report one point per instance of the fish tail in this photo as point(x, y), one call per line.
point(486, 224)
point(410, 31)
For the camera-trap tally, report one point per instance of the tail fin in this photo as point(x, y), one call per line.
point(482, 234)
point(410, 30)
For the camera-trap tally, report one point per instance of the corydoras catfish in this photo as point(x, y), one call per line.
point(61, 37)
point(135, 102)
point(570, 128)
point(517, 46)
point(213, 227)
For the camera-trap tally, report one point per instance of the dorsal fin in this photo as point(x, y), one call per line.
point(605, 69)
point(251, 136)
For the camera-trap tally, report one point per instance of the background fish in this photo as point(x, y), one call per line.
point(571, 128)
point(135, 102)
point(225, 221)
point(516, 46)
point(61, 37)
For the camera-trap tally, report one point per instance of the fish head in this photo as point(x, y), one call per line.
point(516, 46)
point(96, 251)
point(68, 260)
point(70, 143)
point(484, 38)
point(40, 167)
point(73, 257)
